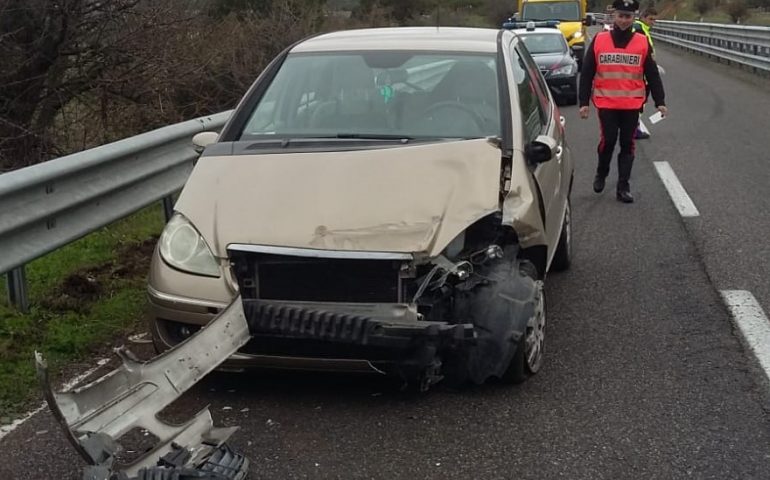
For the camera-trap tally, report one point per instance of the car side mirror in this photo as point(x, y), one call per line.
point(540, 150)
point(204, 139)
point(589, 20)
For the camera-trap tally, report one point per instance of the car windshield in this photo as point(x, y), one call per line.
point(565, 11)
point(540, 43)
point(379, 95)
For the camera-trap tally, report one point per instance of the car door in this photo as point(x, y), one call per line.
point(540, 118)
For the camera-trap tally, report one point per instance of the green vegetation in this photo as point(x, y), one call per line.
point(83, 296)
point(708, 12)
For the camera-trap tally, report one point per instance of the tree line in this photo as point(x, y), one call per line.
point(80, 73)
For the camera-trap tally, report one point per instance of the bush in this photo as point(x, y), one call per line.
point(738, 10)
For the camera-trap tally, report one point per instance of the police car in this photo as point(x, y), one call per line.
point(553, 56)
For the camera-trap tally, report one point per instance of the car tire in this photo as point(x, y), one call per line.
point(502, 310)
point(563, 256)
point(572, 99)
point(530, 349)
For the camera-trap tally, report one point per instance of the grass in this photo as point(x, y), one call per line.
point(684, 11)
point(82, 297)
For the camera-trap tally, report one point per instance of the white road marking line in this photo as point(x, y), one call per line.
point(7, 429)
point(752, 322)
point(681, 200)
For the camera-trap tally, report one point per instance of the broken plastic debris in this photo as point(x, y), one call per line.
point(139, 338)
point(96, 416)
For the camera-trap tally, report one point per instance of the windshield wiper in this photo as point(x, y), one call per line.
point(374, 136)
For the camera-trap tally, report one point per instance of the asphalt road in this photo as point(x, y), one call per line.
point(645, 376)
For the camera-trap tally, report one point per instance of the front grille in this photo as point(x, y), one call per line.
point(309, 279)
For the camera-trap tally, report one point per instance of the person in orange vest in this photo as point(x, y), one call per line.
point(615, 68)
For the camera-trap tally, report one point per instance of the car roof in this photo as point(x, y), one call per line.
point(454, 39)
point(547, 31)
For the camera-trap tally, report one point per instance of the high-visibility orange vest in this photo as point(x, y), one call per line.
point(619, 79)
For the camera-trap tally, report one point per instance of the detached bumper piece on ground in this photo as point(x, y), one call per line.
point(98, 416)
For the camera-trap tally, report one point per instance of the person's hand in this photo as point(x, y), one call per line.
point(584, 112)
point(663, 110)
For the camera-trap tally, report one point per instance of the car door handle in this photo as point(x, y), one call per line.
point(559, 153)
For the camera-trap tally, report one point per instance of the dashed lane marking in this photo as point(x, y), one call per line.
point(678, 194)
point(752, 322)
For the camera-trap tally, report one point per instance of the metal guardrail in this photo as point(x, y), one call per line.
point(48, 205)
point(739, 44)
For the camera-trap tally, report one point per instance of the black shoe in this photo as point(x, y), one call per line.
point(598, 184)
point(625, 196)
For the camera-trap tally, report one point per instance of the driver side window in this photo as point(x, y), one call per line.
point(534, 117)
point(540, 86)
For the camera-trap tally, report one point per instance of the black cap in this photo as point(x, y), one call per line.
point(625, 5)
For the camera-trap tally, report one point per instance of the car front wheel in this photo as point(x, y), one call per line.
point(530, 350)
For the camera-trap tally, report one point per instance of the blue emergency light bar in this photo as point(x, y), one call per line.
point(530, 24)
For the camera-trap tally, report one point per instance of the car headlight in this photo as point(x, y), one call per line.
point(182, 247)
point(568, 69)
point(577, 35)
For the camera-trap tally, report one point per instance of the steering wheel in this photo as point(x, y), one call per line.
point(459, 107)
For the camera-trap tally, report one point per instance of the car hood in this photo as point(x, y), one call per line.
point(548, 61)
point(412, 199)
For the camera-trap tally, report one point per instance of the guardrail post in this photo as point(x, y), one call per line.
point(17, 289)
point(168, 207)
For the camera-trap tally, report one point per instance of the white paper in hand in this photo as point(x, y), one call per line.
point(656, 117)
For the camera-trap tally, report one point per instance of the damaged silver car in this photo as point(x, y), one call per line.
point(385, 199)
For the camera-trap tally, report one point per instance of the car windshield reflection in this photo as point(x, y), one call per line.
point(380, 95)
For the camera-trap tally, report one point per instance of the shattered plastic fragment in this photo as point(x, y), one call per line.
point(96, 416)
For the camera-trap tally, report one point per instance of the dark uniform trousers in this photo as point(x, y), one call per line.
point(616, 124)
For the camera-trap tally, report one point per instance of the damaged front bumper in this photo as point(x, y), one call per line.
point(391, 337)
point(96, 416)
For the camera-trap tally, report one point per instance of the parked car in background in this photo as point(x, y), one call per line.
point(385, 199)
point(553, 56)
